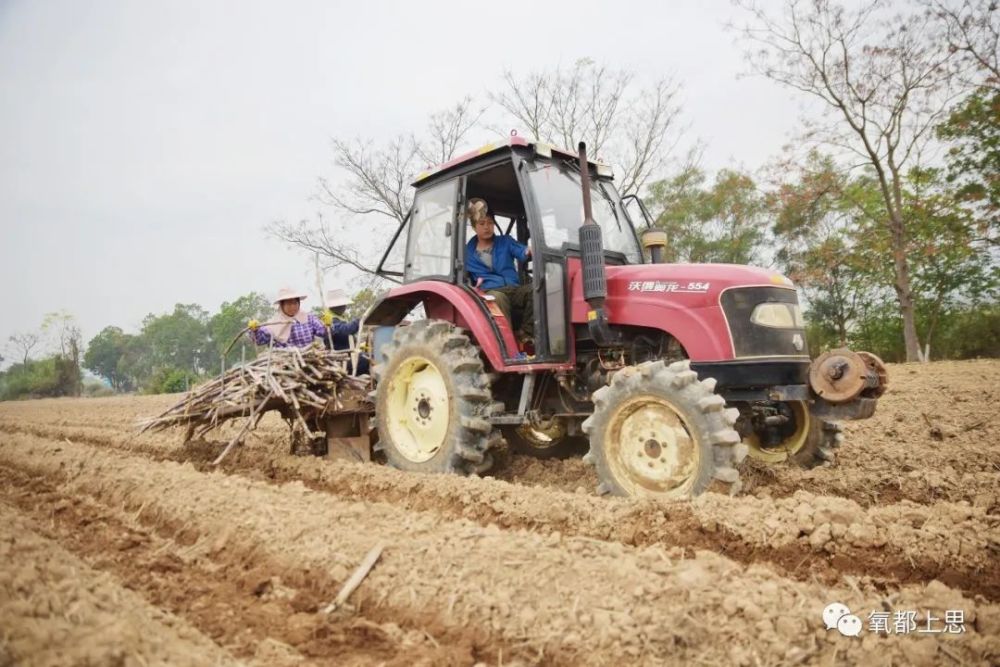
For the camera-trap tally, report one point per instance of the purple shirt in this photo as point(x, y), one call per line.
point(302, 334)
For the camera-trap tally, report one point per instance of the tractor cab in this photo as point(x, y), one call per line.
point(533, 193)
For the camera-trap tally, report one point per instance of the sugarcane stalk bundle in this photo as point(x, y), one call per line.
point(302, 384)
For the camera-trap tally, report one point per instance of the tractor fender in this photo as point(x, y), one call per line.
point(442, 301)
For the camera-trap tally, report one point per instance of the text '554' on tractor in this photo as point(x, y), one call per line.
point(672, 372)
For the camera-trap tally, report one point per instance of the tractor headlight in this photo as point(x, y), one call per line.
point(779, 315)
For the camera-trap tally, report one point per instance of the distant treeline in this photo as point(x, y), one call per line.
point(171, 352)
point(825, 230)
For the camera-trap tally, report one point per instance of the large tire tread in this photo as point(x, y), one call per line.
point(471, 401)
point(824, 438)
point(705, 413)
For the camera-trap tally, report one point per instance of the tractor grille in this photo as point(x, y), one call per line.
point(754, 339)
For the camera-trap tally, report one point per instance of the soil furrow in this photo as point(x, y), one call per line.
point(805, 536)
point(257, 610)
point(56, 610)
point(659, 607)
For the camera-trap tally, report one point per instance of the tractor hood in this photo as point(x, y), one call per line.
point(699, 285)
point(687, 301)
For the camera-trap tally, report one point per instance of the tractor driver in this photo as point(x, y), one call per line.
point(489, 259)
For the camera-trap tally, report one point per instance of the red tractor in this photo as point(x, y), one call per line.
point(669, 373)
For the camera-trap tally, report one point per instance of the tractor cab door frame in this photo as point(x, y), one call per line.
point(442, 203)
point(549, 280)
point(381, 270)
point(547, 274)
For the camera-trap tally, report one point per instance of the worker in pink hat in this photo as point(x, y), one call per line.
point(291, 326)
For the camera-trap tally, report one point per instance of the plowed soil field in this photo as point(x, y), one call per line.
point(117, 549)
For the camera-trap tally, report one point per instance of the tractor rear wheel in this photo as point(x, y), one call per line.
point(657, 431)
point(433, 400)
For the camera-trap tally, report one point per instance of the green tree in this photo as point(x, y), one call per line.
point(952, 269)
point(179, 340)
point(722, 223)
point(832, 242)
point(363, 299)
point(973, 130)
point(136, 362)
point(882, 81)
point(51, 376)
point(62, 329)
point(167, 380)
point(104, 355)
point(815, 224)
point(232, 318)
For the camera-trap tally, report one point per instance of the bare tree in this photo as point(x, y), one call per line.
point(378, 178)
point(446, 129)
point(883, 84)
point(374, 182)
point(972, 31)
point(527, 100)
point(62, 329)
point(633, 127)
point(25, 343)
point(590, 102)
point(649, 141)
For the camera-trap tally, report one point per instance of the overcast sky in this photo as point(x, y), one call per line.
point(144, 145)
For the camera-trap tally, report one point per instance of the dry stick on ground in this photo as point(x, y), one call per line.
point(356, 578)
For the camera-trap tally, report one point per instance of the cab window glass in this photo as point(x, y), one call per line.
point(429, 245)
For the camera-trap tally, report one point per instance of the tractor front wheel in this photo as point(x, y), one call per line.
point(807, 441)
point(657, 431)
point(824, 437)
point(433, 400)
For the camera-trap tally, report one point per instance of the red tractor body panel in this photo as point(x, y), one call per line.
point(445, 301)
point(680, 299)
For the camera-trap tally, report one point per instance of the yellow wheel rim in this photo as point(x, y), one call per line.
point(788, 446)
point(543, 435)
point(417, 409)
point(650, 450)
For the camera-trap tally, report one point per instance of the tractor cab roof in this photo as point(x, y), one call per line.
point(491, 150)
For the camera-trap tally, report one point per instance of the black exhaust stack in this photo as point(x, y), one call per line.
point(595, 282)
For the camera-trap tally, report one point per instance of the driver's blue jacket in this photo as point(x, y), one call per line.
point(503, 273)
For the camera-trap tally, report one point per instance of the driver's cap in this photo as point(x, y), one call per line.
point(476, 210)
